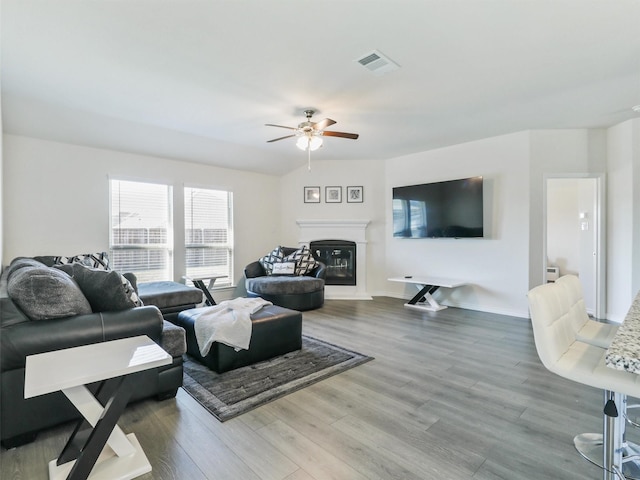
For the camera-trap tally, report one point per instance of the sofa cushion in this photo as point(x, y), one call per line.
point(284, 285)
point(275, 256)
point(173, 339)
point(167, 294)
point(304, 260)
point(43, 292)
point(107, 291)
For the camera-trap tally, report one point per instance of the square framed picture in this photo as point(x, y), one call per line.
point(311, 194)
point(355, 194)
point(333, 194)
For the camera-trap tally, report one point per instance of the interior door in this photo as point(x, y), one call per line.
point(574, 235)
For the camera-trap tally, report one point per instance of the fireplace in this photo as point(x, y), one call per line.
point(352, 232)
point(340, 258)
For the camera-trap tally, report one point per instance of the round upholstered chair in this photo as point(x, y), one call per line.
point(295, 291)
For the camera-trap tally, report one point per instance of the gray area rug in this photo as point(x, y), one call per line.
point(227, 395)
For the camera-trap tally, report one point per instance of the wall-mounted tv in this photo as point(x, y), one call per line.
point(450, 209)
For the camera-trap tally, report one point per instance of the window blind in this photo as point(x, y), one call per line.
point(208, 234)
point(141, 236)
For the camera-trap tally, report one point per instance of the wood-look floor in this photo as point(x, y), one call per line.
point(452, 395)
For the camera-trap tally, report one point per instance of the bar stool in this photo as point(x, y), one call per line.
point(587, 330)
point(561, 353)
point(592, 332)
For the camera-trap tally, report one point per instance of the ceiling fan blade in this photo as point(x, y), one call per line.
point(281, 138)
point(353, 136)
point(279, 126)
point(322, 124)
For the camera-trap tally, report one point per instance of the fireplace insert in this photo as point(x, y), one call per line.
point(340, 258)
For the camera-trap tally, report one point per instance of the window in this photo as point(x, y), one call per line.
point(141, 230)
point(208, 234)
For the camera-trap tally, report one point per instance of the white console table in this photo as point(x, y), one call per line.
point(427, 286)
point(97, 449)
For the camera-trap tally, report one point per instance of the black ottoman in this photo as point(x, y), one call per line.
point(275, 331)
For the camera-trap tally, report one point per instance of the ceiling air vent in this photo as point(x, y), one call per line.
point(377, 63)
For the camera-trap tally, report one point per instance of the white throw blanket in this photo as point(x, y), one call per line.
point(229, 322)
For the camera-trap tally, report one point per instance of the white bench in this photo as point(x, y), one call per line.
point(426, 286)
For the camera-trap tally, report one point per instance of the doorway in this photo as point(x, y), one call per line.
point(574, 241)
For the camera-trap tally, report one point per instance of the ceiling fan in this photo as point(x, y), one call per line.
point(310, 133)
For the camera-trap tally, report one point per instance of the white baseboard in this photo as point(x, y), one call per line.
point(335, 296)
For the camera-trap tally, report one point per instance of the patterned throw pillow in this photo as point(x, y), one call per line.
point(284, 268)
point(303, 257)
point(275, 256)
point(99, 260)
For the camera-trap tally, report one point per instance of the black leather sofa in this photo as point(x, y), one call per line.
point(20, 335)
point(299, 292)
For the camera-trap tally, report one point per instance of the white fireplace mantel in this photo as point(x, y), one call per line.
point(352, 230)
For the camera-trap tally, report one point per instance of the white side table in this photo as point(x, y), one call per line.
point(97, 449)
point(423, 300)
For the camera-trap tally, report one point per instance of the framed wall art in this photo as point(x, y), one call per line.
point(333, 194)
point(355, 194)
point(311, 194)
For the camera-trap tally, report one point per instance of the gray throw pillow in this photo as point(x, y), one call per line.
point(106, 290)
point(21, 262)
point(43, 292)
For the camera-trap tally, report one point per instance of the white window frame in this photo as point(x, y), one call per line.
point(145, 275)
point(225, 271)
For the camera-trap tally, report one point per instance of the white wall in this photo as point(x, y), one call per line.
point(623, 239)
point(509, 261)
point(1, 190)
point(366, 173)
point(496, 266)
point(563, 228)
point(557, 152)
point(1, 182)
point(55, 202)
point(56, 198)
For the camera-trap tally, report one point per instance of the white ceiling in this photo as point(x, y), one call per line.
point(197, 79)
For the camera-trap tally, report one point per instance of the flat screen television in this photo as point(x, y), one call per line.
point(450, 209)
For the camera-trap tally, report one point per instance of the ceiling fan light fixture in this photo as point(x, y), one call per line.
point(309, 142)
point(309, 134)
